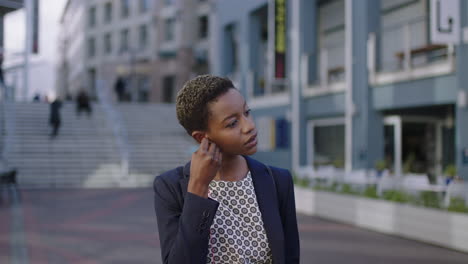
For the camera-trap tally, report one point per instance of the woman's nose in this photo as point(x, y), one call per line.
point(249, 125)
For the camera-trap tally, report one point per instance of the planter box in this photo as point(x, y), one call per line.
point(434, 226)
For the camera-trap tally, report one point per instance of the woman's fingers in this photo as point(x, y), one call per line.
point(217, 155)
point(204, 144)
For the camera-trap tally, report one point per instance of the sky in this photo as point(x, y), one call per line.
point(43, 66)
point(50, 13)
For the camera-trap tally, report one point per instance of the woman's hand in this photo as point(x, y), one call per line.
point(206, 162)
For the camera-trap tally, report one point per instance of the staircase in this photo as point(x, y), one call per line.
point(85, 152)
point(156, 140)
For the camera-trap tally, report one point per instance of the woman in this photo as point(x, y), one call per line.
point(224, 207)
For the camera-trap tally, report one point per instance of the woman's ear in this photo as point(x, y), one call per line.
point(198, 136)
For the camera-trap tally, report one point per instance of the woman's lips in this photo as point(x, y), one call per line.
point(252, 142)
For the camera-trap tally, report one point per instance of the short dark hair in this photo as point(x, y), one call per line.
point(192, 100)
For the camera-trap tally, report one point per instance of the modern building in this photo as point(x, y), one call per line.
point(183, 44)
point(154, 46)
point(350, 83)
point(102, 40)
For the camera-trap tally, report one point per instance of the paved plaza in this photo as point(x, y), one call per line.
point(118, 226)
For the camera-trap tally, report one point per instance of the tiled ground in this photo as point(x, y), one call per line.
point(119, 226)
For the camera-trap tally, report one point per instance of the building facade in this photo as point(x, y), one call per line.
point(183, 43)
point(102, 40)
point(349, 83)
point(154, 46)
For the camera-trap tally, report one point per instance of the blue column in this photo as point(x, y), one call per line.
point(367, 145)
point(308, 46)
point(462, 111)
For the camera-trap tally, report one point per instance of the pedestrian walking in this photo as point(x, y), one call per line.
point(82, 103)
point(54, 118)
point(224, 206)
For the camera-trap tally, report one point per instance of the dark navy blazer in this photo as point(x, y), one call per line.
point(184, 219)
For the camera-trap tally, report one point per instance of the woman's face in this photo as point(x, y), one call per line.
point(231, 126)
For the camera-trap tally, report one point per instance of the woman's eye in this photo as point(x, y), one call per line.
point(247, 112)
point(233, 124)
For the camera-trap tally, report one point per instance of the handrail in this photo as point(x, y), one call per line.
point(8, 122)
point(118, 126)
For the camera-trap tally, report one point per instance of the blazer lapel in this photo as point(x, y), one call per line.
point(268, 204)
point(185, 179)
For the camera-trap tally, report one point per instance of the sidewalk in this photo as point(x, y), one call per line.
point(119, 226)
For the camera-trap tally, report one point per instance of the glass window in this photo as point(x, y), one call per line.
point(231, 48)
point(144, 5)
point(108, 43)
point(108, 12)
point(92, 16)
point(203, 27)
point(124, 38)
point(331, 49)
point(143, 88)
point(329, 145)
point(168, 89)
point(170, 29)
point(125, 8)
point(143, 32)
point(91, 47)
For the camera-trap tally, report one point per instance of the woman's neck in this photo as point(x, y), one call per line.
point(233, 168)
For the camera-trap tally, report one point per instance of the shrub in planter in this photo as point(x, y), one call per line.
point(380, 165)
point(457, 204)
point(302, 182)
point(397, 196)
point(348, 189)
point(371, 192)
point(450, 171)
point(327, 188)
point(429, 199)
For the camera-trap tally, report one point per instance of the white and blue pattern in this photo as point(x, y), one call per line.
point(237, 234)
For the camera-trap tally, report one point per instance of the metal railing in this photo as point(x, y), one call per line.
point(8, 122)
point(258, 86)
point(118, 126)
point(404, 46)
point(328, 75)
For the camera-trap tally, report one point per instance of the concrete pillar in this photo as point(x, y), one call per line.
point(367, 124)
point(461, 132)
point(308, 46)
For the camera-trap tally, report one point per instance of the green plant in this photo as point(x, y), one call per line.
point(450, 171)
point(347, 189)
point(429, 199)
point(397, 196)
point(302, 182)
point(458, 204)
point(338, 163)
point(380, 165)
point(327, 188)
point(371, 192)
point(409, 162)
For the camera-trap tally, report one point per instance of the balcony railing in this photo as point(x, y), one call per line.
point(405, 47)
point(329, 76)
point(258, 85)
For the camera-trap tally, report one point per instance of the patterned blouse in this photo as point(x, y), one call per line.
point(237, 234)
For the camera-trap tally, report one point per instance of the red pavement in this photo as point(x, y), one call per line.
point(89, 226)
point(5, 217)
point(119, 226)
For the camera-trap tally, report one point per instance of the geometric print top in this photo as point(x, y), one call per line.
point(237, 234)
